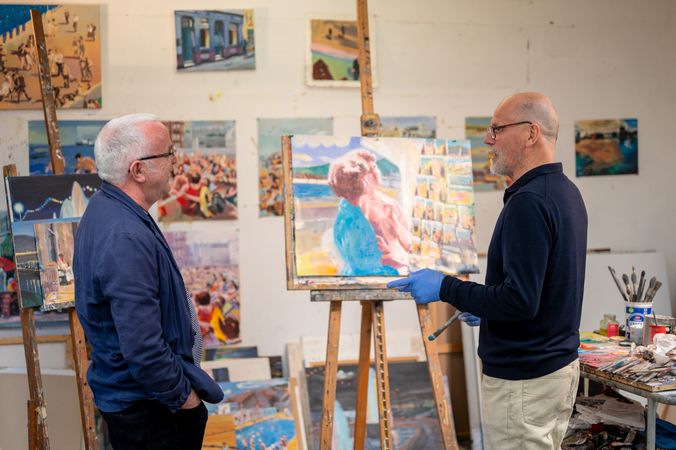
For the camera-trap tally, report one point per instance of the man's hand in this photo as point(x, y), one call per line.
point(193, 400)
point(424, 285)
point(469, 319)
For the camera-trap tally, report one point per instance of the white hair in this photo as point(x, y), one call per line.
point(118, 144)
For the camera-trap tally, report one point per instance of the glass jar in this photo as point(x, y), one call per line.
point(603, 325)
point(613, 326)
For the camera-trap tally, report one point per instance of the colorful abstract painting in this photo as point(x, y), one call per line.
point(204, 185)
point(332, 59)
point(42, 199)
point(262, 414)
point(77, 145)
point(55, 244)
point(409, 127)
point(606, 147)
point(215, 40)
point(207, 253)
point(354, 199)
point(72, 35)
point(484, 179)
point(270, 171)
point(412, 402)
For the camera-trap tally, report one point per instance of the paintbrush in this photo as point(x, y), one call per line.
point(651, 287)
point(633, 282)
point(441, 329)
point(617, 283)
point(654, 291)
point(625, 278)
point(641, 285)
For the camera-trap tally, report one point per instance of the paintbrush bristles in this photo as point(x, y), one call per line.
point(617, 283)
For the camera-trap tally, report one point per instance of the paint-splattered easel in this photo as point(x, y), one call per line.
point(372, 316)
point(37, 412)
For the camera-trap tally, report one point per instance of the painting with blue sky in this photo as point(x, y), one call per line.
point(77, 145)
point(414, 127)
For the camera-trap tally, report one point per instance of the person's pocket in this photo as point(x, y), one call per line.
point(544, 398)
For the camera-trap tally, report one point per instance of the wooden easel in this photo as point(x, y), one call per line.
point(373, 315)
point(37, 413)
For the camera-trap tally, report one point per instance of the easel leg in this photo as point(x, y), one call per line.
point(363, 376)
point(382, 376)
point(330, 371)
point(83, 390)
point(444, 410)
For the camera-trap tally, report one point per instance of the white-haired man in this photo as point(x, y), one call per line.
point(131, 300)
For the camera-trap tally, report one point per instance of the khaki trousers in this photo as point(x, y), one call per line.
point(528, 414)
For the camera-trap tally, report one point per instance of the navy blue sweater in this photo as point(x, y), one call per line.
point(531, 303)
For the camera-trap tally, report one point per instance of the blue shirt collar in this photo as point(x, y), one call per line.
point(115, 192)
point(528, 176)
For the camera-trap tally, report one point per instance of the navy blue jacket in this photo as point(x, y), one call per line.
point(531, 304)
point(130, 298)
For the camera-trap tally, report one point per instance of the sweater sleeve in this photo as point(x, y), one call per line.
point(526, 240)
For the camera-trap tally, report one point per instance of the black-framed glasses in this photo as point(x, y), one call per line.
point(493, 129)
point(169, 154)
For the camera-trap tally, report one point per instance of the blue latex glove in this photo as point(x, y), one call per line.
point(424, 285)
point(469, 319)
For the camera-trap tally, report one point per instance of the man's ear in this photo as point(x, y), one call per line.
point(137, 171)
point(535, 133)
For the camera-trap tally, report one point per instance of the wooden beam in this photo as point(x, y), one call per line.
point(382, 377)
point(39, 339)
point(363, 376)
point(330, 374)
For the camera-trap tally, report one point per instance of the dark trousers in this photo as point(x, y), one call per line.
point(149, 425)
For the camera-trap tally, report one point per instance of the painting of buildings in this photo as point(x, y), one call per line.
point(215, 40)
point(270, 173)
point(424, 127)
point(484, 180)
point(606, 147)
point(77, 145)
point(332, 58)
point(207, 254)
point(204, 185)
point(72, 35)
point(55, 245)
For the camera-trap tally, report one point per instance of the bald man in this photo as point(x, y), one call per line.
point(529, 309)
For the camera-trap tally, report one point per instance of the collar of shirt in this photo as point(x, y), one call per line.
point(528, 176)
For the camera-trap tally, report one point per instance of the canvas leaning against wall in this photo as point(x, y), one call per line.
point(270, 171)
point(72, 35)
point(212, 40)
point(606, 147)
point(77, 145)
point(354, 202)
point(484, 179)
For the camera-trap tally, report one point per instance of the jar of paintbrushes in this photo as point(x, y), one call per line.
point(638, 301)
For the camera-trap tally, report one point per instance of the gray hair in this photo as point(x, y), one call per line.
point(118, 144)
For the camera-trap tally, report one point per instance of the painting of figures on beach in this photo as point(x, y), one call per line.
point(55, 244)
point(606, 147)
point(410, 127)
point(262, 416)
point(270, 172)
point(42, 199)
point(204, 185)
point(354, 199)
point(412, 401)
point(72, 35)
point(207, 254)
point(77, 145)
point(215, 40)
point(484, 180)
point(332, 59)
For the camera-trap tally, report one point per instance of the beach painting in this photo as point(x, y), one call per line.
point(73, 41)
point(484, 179)
point(270, 172)
point(606, 147)
point(204, 184)
point(333, 56)
point(262, 414)
point(354, 199)
point(409, 127)
point(77, 145)
point(207, 254)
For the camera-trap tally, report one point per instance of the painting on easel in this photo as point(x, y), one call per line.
point(74, 51)
point(55, 244)
point(362, 209)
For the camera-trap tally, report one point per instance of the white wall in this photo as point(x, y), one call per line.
point(450, 59)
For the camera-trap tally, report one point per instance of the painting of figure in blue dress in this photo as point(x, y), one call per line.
point(606, 147)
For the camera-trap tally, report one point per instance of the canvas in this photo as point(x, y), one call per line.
point(55, 245)
point(262, 412)
point(42, 199)
point(77, 145)
point(226, 351)
point(240, 369)
point(414, 127)
point(270, 172)
point(72, 35)
point(204, 185)
point(412, 404)
point(606, 147)
point(333, 56)
point(207, 253)
point(356, 201)
point(210, 40)
point(484, 180)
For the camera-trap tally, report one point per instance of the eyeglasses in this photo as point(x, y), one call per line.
point(170, 153)
point(493, 129)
